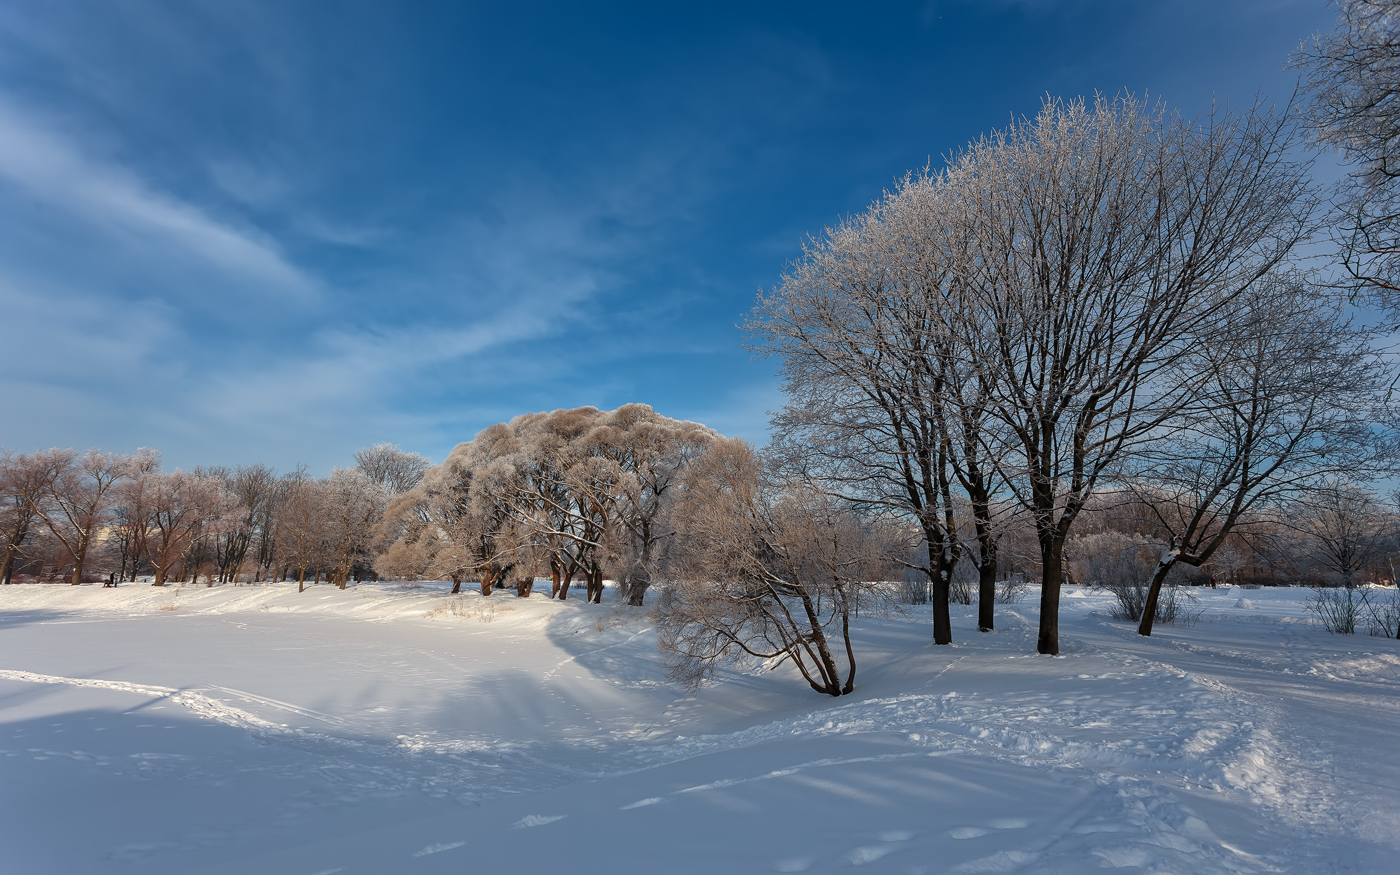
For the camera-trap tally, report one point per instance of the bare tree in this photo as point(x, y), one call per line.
point(354, 505)
point(1353, 74)
point(1027, 331)
point(301, 521)
point(177, 507)
point(767, 570)
point(253, 489)
point(24, 480)
point(390, 467)
point(1345, 528)
point(858, 325)
point(652, 453)
point(1103, 237)
point(1292, 393)
point(79, 496)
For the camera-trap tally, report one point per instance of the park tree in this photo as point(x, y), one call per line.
point(1069, 263)
point(391, 468)
point(768, 570)
point(1345, 529)
point(1352, 75)
point(177, 507)
point(1293, 390)
point(78, 496)
point(24, 481)
point(253, 492)
point(301, 522)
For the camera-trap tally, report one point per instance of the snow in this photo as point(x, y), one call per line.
point(385, 729)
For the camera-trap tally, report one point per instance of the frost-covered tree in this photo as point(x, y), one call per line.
point(1291, 395)
point(177, 507)
point(766, 570)
point(392, 468)
point(354, 505)
point(1062, 276)
point(24, 480)
point(1353, 76)
point(1345, 529)
point(77, 499)
point(253, 490)
point(301, 522)
point(571, 492)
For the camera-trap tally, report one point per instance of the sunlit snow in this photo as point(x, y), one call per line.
point(388, 729)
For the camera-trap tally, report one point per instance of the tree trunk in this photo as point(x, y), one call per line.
point(564, 582)
point(1052, 551)
point(942, 618)
point(637, 587)
point(488, 581)
point(593, 578)
point(524, 587)
point(79, 556)
point(986, 594)
point(456, 583)
point(1154, 592)
point(7, 569)
point(939, 582)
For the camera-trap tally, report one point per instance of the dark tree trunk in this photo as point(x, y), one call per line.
point(1154, 593)
point(524, 587)
point(986, 594)
point(456, 583)
point(1052, 550)
point(7, 569)
point(938, 593)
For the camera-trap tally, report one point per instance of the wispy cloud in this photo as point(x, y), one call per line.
point(50, 169)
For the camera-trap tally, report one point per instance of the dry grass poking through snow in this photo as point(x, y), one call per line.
point(482, 610)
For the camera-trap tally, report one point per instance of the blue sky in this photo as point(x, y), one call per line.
point(278, 232)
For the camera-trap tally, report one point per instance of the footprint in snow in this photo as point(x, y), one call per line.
point(868, 854)
point(968, 832)
point(438, 848)
point(898, 835)
point(537, 820)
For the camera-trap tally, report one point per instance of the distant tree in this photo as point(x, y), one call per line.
point(24, 480)
point(1345, 529)
point(570, 492)
point(652, 453)
point(767, 570)
point(80, 491)
point(391, 468)
point(354, 505)
point(1292, 395)
point(252, 490)
point(1353, 76)
point(301, 523)
point(177, 507)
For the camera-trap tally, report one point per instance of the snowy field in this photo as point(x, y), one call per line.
point(392, 730)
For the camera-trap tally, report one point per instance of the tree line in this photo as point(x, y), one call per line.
point(122, 516)
point(1094, 346)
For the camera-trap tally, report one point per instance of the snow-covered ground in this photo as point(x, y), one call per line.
point(385, 729)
